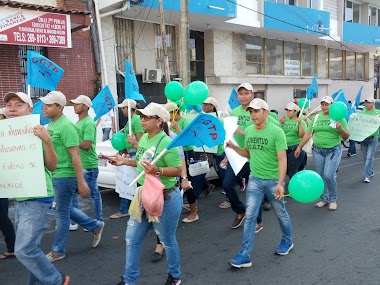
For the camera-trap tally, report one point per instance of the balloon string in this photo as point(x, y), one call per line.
point(176, 112)
point(285, 195)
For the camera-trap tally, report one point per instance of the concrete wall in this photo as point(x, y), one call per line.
point(41, 2)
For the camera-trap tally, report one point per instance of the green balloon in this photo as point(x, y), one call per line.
point(182, 106)
point(338, 110)
point(303, 101)
point(196, 93)
point(306, 186)
point(118, 141)
point(173, 91)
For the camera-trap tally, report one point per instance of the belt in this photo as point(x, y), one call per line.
point(167, 193)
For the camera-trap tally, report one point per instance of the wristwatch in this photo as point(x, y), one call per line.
point(158, 173)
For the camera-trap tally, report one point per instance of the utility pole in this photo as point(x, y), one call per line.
point(184, 43)
point(163, 38)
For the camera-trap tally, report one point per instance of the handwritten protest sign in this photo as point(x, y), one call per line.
point(22, 166)
point(124, 176)
point(362, 126)
point(207, 149)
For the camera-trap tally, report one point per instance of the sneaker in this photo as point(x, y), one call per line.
point(121, 282)
point(366, 180)
point(267, 206)
point(65, 279)
point(243, 185)
point(240, 261)
point(237, 222)
point(284, 248)
point(372, 174)
point(118, 216)
point(259, 227)
point(350, 154)
point(98, 236)
point(85, 230)
point(224, 192)
point(52, 256)
point(172, 281)
point(73, 227)
point(209, 190)
point(225, 205)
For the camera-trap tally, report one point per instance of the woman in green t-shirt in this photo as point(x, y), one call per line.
point(167, 168)
point(327, 150)
point(294, 128)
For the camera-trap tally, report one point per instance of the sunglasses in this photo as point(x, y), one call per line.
point(147, 118)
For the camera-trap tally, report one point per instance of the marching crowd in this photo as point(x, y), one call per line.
point(273, 147)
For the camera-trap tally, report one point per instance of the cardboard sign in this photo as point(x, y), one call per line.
point(22, 165)
point(124, 176)
point(362, 126)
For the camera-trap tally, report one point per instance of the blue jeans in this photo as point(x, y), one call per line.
point(326, 162)
point(106, 134)
point(256, 190)
point(64, 190)
point(229, 183)
point(31, 223)
point(6, 226)
point(368, 147)
point(165, 230)
point(124, 206)
point(352, 147)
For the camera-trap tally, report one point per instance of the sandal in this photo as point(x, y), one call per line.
point(6, 255)
point(225, 205)
point(52, 256)
point(321, 204)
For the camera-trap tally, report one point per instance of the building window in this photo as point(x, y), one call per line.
point(315, 4)
point(274, 57)
point(308, 60)
point(289, 2)
point(352, 12)
point(350, 65)
point(360, 65)
point(124, 42)
point(197, 56)
point(335, 64)
point(292, 63)
point(372, 16)
point(171, 48)
point(254, 48)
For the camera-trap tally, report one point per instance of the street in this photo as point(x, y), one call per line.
point(341, 247)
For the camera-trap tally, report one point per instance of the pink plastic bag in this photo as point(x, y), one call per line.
point(152, 196)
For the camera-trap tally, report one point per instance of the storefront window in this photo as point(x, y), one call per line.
point(335, 64)
point(360, 74)
point(254, 55)
point(308, 60)
point(274, 57)
point(292, 65)
point(350, 65)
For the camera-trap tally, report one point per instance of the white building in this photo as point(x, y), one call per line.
point(276, 45)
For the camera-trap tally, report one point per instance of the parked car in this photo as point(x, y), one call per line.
point(107, 176)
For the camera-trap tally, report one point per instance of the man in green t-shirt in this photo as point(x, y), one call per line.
point(31, 212)
point(68, 177)
point(87, 143)
point(369, 145)
point(265, 146)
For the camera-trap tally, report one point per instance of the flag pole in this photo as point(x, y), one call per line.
point(129, 117)
point(28, 89)
point(313, 111)
point(153, 162)
point(303, 107)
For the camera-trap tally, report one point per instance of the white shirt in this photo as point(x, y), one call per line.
point(106, 120)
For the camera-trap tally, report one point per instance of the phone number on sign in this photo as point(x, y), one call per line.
point(39, 38)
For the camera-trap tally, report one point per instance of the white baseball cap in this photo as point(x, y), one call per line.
point(370, 100)
point(212, 101)
point(54, 97)
point(154, 109)
point(24, 97)
point(292, 106)
point(258, 104)
point(327, 99)
point(82, 99)
point(132, 102)
point(170, 106)
point(247, 86)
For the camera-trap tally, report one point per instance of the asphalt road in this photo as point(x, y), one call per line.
point(341, 247)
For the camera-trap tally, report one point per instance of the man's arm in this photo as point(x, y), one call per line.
point(281, 155)
point(50, 158)
point(113, 124)
point(242, 151)
point(86, 145)
point(83, 188)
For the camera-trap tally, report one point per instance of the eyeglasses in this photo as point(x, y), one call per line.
point(148, 118)
point(206, 104)
point(325, 104)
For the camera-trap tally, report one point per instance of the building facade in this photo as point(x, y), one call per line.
point(276, 45)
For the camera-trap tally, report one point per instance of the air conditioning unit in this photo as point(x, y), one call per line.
point(152, 76)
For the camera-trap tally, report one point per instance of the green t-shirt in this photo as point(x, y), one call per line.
point(244, 121)
point(170, 158)
point(263, 146)
point(324, 135)
point(136, 128)
point(49, 184)
point(374, 112)
point(87, 132)
point(220, 149)
point(290, 128)
point(63, 135)
point(182, 123)
point(274, 120)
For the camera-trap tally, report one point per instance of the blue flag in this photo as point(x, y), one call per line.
point(103, 102)
point(357, 99)
point(203, 130)
point(233, 101)
point(336, 94)
point(42, 72)
point(37, 109)
point(131, 85)
point(342, 98)
point(312, 89)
